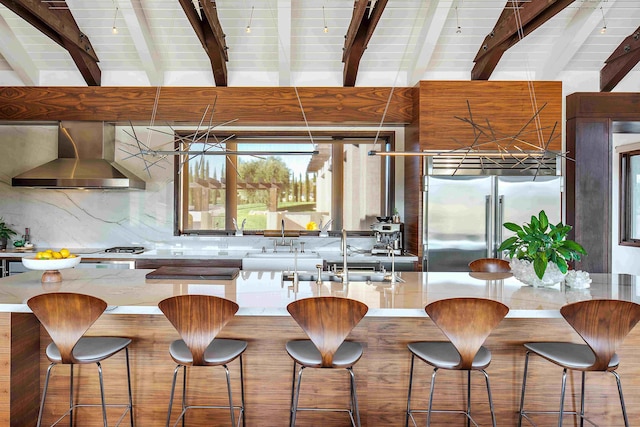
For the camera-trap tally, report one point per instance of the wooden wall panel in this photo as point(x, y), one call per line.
point(25, 369)
point(507, 105)
point(590, 118)
point(247, 105)
point(412, 173)
point(5, 366)
point(19, 369)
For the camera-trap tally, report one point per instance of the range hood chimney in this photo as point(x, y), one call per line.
point(86, 159)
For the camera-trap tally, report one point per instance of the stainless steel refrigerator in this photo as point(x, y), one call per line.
point(464, 212)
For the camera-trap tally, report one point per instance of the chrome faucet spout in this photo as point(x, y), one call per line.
point(283, 241)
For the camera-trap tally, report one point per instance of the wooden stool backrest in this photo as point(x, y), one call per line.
point(490, 265)
point(198, 319)
point(467, 322)
point(66, 317)
point(327, 321)
point(603, 325)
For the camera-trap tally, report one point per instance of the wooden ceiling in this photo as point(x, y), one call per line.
point(319, 43)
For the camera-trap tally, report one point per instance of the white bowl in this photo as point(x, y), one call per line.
point(50, 264)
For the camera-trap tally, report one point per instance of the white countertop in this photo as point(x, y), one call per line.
point(265, 294)
point(187, 253)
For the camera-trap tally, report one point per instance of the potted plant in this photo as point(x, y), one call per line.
point(544, 247)
point(5, 234)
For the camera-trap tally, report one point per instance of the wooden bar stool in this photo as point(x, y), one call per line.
point(327, 321)
point(198, 319)
point(603, 325)
point(466, 322)
point(490, 265)
point(66, 317)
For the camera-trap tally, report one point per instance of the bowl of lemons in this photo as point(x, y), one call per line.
point(51, 262)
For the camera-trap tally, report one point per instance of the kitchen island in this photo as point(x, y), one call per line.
point(395, 317)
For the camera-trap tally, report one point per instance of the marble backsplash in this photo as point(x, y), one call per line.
point(105, 218)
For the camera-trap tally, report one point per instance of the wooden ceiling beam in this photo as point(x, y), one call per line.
point(363, 23)
point(621, 61)
point(60, 26)
point(209, 31)
point(517, 20)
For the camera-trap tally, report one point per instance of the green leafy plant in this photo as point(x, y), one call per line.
point(5, 231)
point(540, 243)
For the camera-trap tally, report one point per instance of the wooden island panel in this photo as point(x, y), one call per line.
point(382, 375)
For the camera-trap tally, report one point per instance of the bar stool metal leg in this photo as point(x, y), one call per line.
point(242, 413)
point(433, 384)
point(564, 388)
point(624, 409)
point(468, 398)
point(354, 396)
point(493, 414)
point(584, 375)
point(233, 416)
point(126, 350)
point(406, 420)
point(104, 407)
point(71, 394)
point(44, 394)
point(524, 386)
point(294, 409)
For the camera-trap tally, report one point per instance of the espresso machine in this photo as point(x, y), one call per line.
point(388, 234)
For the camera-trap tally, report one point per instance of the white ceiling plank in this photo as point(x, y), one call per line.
point(284, 36)
point(577, 31)
point(437, 13)
point(17, 56)
point(140, 33)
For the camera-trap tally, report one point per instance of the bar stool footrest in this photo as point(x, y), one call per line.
point(525, 415)
point(446, 411)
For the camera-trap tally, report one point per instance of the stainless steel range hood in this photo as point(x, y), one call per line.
point(86, 160)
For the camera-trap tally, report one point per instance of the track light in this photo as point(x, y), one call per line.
point(248, 29)
point(458, 30)
point(324, 19)
point(114, 29)
point(603, 30)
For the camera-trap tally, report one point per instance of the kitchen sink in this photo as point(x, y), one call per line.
point(354, 276)
point(281, 261)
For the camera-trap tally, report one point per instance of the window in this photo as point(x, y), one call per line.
point(630, 198)
point(340, 183)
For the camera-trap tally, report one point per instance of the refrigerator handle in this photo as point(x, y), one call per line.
point(499, 221)
point(487, 226)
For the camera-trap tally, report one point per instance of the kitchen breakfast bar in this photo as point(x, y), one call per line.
point(396, 317)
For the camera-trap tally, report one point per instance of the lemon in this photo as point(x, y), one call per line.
point(56, 255)
point(49, 250)
point(40, 255)
point(46, 255)
point(65, 252)
point(72, 255)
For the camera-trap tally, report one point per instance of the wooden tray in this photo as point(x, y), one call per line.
point(194, 273)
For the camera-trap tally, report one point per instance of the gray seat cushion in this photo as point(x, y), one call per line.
point(91, 349)
point(306, 353)
point(568, 355)
point(443, 354)
point(219, 352)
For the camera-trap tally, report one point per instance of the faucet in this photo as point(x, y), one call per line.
point(283, 241)
point(343, 246)
point(393, 263)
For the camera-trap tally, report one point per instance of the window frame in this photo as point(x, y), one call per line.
point(386, 139)
point(624, 217)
